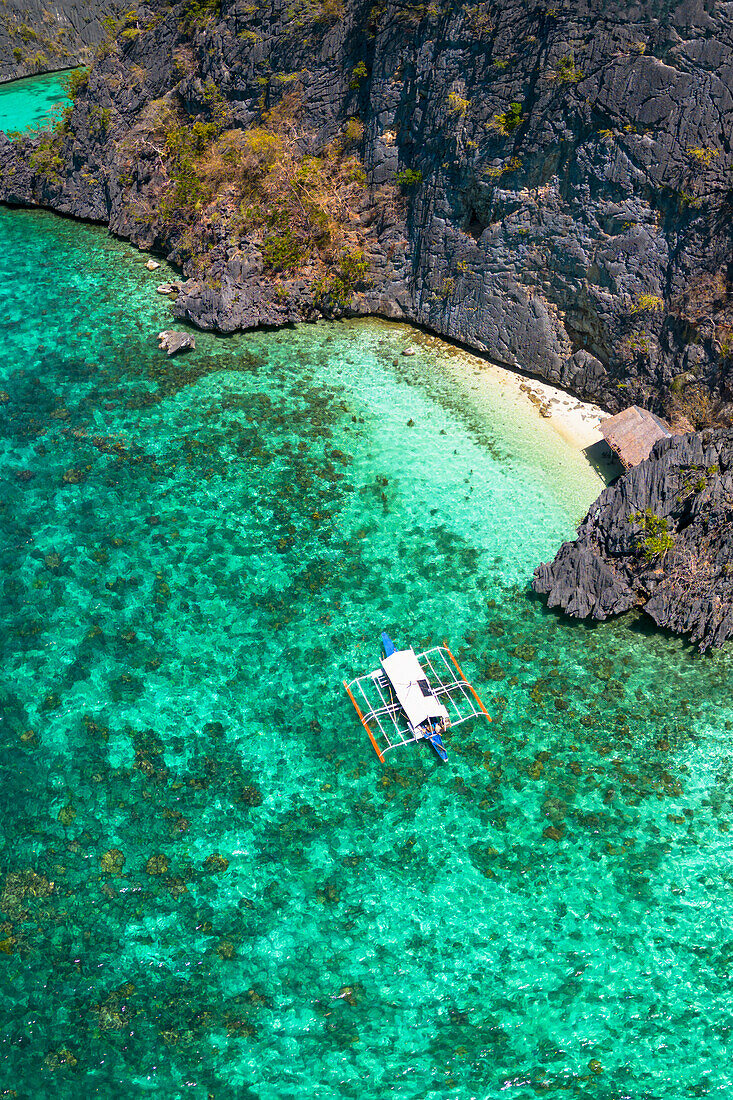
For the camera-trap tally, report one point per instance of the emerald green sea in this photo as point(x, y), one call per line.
point(33, 101)
point(210, 885)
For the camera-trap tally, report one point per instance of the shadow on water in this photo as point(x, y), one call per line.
point(604, 461)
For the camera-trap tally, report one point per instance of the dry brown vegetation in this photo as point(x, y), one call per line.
point(257, 185)
point(296, 206)
point(689, 404)
point(706, 305)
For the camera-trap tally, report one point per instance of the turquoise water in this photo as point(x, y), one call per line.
point(196, 552)
point(210, 886)
point(33, 101)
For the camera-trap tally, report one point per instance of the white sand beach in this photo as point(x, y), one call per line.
point(576, 422)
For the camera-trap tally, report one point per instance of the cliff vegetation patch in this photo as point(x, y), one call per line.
point(256, 186)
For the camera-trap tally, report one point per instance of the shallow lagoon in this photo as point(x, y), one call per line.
point(32, 101)
point(196, 552)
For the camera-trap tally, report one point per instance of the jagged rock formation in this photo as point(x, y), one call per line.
point(661, 538)
point(548, 184)
point(36, 37)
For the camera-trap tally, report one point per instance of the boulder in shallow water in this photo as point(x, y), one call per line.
point(173, 342)
point(67, 815)
point(215, 865)
point(58, 1059)
point(152, 265)
point(169, 288)
point(112, 862)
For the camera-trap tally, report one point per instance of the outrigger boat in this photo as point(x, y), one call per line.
point(413, 696)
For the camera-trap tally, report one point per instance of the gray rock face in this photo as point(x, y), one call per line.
point(567, 211)
point(37, 37)
point(661, 538)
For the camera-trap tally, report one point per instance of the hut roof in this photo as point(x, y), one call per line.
point(632, 434)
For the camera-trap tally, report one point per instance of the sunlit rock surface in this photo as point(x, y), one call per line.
point(566, 207)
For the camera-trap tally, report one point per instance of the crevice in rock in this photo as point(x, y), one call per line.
point(474, 226)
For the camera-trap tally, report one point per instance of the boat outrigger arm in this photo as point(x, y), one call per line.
point(413, 696)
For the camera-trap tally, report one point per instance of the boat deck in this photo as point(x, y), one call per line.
point(382, 715)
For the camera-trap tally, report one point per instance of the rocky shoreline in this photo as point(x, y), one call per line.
point(661, 539)
point(532, 184)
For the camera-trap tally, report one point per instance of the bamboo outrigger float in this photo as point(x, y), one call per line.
point(413, 696)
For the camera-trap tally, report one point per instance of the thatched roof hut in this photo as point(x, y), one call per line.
point(632, 434)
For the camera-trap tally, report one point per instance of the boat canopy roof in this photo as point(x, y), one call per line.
point(411, 686)
point(377, 693)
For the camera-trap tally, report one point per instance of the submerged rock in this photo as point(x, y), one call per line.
point(157, 865)
point(58, 1059)
point(112, 862)
point(114, 1013)
point(67, 815)
point(19, 887)
point(660, 539)
point(215, 865)
point(251, 795)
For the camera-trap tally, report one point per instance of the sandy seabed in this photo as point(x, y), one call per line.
point(577, 423)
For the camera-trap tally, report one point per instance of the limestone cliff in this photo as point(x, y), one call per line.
point(546, 183)
point(36, 37)
point(661, 538)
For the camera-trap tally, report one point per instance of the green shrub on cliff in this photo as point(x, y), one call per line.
point(281, 251)
point(507, 121)
point(457, 105)
point(188, 193)
point(198, 12)
point(303, 12)
point(566, 71)
point(408, 177)
point(654, 539)
point(647, 303)
point(46, 158)
point(353, 133)
point(186, 144)
point(701, 154)
point(357, 75)
point(336, 291)
point(76, 83)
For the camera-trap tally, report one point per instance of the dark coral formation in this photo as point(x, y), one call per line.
point(661, 538)
point(547, 184)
